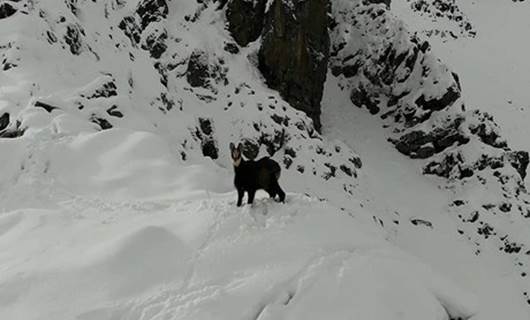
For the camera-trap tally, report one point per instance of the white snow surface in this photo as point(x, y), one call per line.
point(206, 259)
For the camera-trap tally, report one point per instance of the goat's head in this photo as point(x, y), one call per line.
point(235, 152)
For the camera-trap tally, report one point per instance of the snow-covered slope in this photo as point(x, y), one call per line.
point(207, 259)
point(116, 197)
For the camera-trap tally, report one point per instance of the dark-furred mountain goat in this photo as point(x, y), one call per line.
point(251, 176)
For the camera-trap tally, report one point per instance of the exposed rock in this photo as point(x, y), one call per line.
point(231, 48)
point(386, 2)
point(113, 111)
point(420, 144)
point(206, 126)
point(104, 124)
point(45, 106)
point(206, 134)
point(209, 149)
point(250, 148)
point(451, 165)
point(106, 90)
point(447, 11)
point(13, 131)
point(73, 38)
point(274, 142)
point(519, 160)
point(204, 71)
point(245, 19)
point(151, 11)
point(72, 5)
point(487, 130)
point(198, 73)
point(132, 30)
point(421, 222)
point(449, 97)
point(4, 121)
point(155, 43)
point(347, 170)
point(294, 54)
point(6, 10)
point(360, 97)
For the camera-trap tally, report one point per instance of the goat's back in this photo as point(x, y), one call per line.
point(268, 169)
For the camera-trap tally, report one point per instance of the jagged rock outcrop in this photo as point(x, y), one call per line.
point(155, 43)
point(424, 144)
point(205, 133)
point(151, 11)
point(205, 71)
point(198, 69)
point(294, 53)
point(73, 38)
point(393, 74)
point(137, 27)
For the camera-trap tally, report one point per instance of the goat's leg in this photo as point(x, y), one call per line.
point(240, 193)
point(251, 194)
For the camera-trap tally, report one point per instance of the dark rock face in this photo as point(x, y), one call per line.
point(422, 145)
point(294, 54)
point(486, 129)
point(4, 121)
point(198, 71)
point(250, 148)
point(106, 90)
point(450, 165)
point(360, 97)
point(113, 111)
point(519, 160)
point(10, 131)
point(155, 43)
point(245, 19)
point(205, 133)
point(451, 95)
point(72, 5)
point(152, 10)
point(103, 123)
point(6, 10)
point(231, 48)
point(73, 38)
point(206, 70)
point(45, 106)
point(131, 29)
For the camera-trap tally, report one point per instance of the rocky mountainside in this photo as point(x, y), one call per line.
point(163, 75)
point(92, 93)
point(418, 99)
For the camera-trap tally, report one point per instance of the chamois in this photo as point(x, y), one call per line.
point(251, 176)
